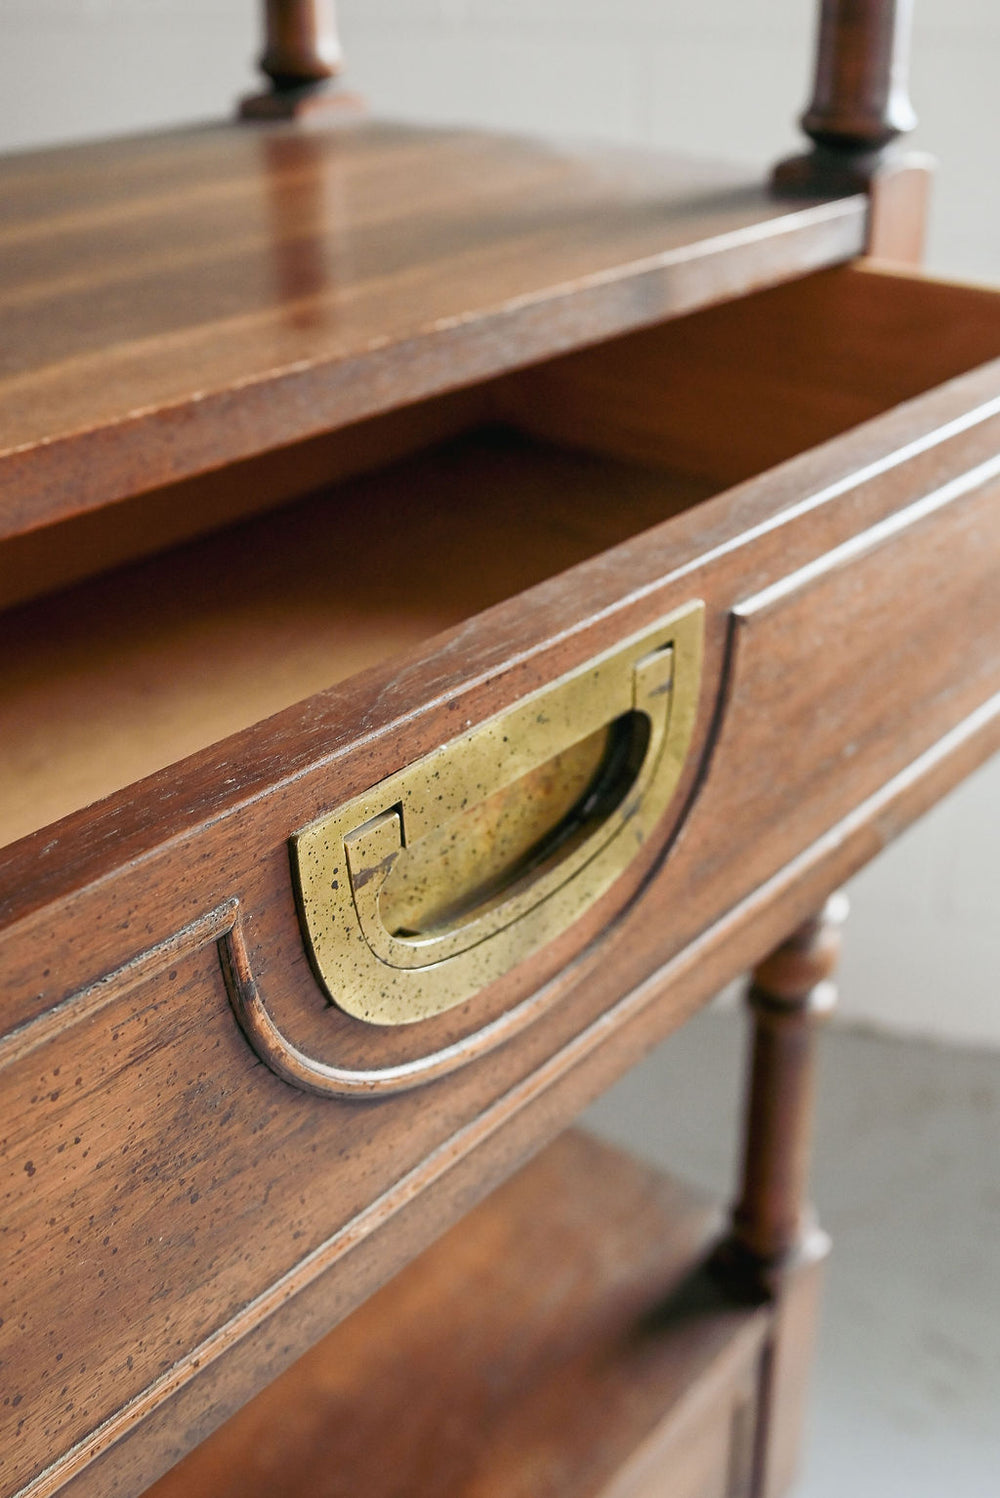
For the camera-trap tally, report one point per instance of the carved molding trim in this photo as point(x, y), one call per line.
point(294, 1066)
point(867, 540)
point(142, 968)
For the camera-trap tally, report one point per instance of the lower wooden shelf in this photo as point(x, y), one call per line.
point(564, 1339)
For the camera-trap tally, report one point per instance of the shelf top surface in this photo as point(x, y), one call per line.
point(174, 302)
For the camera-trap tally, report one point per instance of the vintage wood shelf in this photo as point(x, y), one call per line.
point(329, 446)
point(179, 302)
point(522, 1358)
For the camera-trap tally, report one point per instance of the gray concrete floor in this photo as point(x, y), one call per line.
point(906, 1393)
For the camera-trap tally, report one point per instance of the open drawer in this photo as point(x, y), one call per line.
point(604, 689)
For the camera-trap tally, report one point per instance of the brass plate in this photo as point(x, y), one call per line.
point(343, 862)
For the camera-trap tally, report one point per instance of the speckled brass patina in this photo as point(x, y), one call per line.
point(445, 875)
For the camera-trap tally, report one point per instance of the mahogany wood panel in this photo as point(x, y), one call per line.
point(733, 390)
point(262, 1214)
point(173, 303)
point(750, 383)
point(788, 1366)
point(563, 1341)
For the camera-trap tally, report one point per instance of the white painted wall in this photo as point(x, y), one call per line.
point(718, 76)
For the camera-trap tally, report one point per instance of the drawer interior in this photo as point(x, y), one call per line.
point(146, 641)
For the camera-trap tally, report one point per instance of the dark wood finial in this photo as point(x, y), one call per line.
point(302, 47)
point(860, 100)
point(302, 56)
point(859, 109)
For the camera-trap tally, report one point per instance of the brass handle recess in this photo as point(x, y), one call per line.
point(442, 877)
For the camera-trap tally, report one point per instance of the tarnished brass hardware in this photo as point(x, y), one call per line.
point(558, 793)
point(448, 876)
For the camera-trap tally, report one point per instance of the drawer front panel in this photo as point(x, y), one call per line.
point(118, 1145)
point(168, 1196)
point(846, 671)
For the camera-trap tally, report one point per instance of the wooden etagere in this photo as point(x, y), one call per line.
point(330, 443)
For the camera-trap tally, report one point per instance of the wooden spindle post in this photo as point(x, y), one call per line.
point(860, 101)
point(302, 57)
point(859, 112)
point(790, 993)
point(775, 1249)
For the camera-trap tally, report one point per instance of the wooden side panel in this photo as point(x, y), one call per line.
point(788, 1365)
point(730, 391)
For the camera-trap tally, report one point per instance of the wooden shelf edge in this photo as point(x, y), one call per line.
point(240, 298)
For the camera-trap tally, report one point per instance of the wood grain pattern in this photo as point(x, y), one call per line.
point(564, 1339)
point(212, 1386)
point(330, 1197)
point(43, 561)
point(202, 326)
point(175, 303)
point(729, 392)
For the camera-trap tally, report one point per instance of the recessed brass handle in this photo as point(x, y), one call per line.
point(411, 899)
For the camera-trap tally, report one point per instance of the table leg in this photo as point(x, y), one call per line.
point(775, 1248)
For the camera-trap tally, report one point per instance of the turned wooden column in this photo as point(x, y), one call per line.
point(302, 57)
point(860, 100)
point(790, 994)
point(859, 112)
point(775, 1249)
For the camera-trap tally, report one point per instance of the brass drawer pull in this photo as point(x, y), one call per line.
point(442, 877)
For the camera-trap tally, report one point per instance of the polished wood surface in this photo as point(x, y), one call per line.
point(128, 928)
point(563, 1341)
point(203, 326)
point(173, 303)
